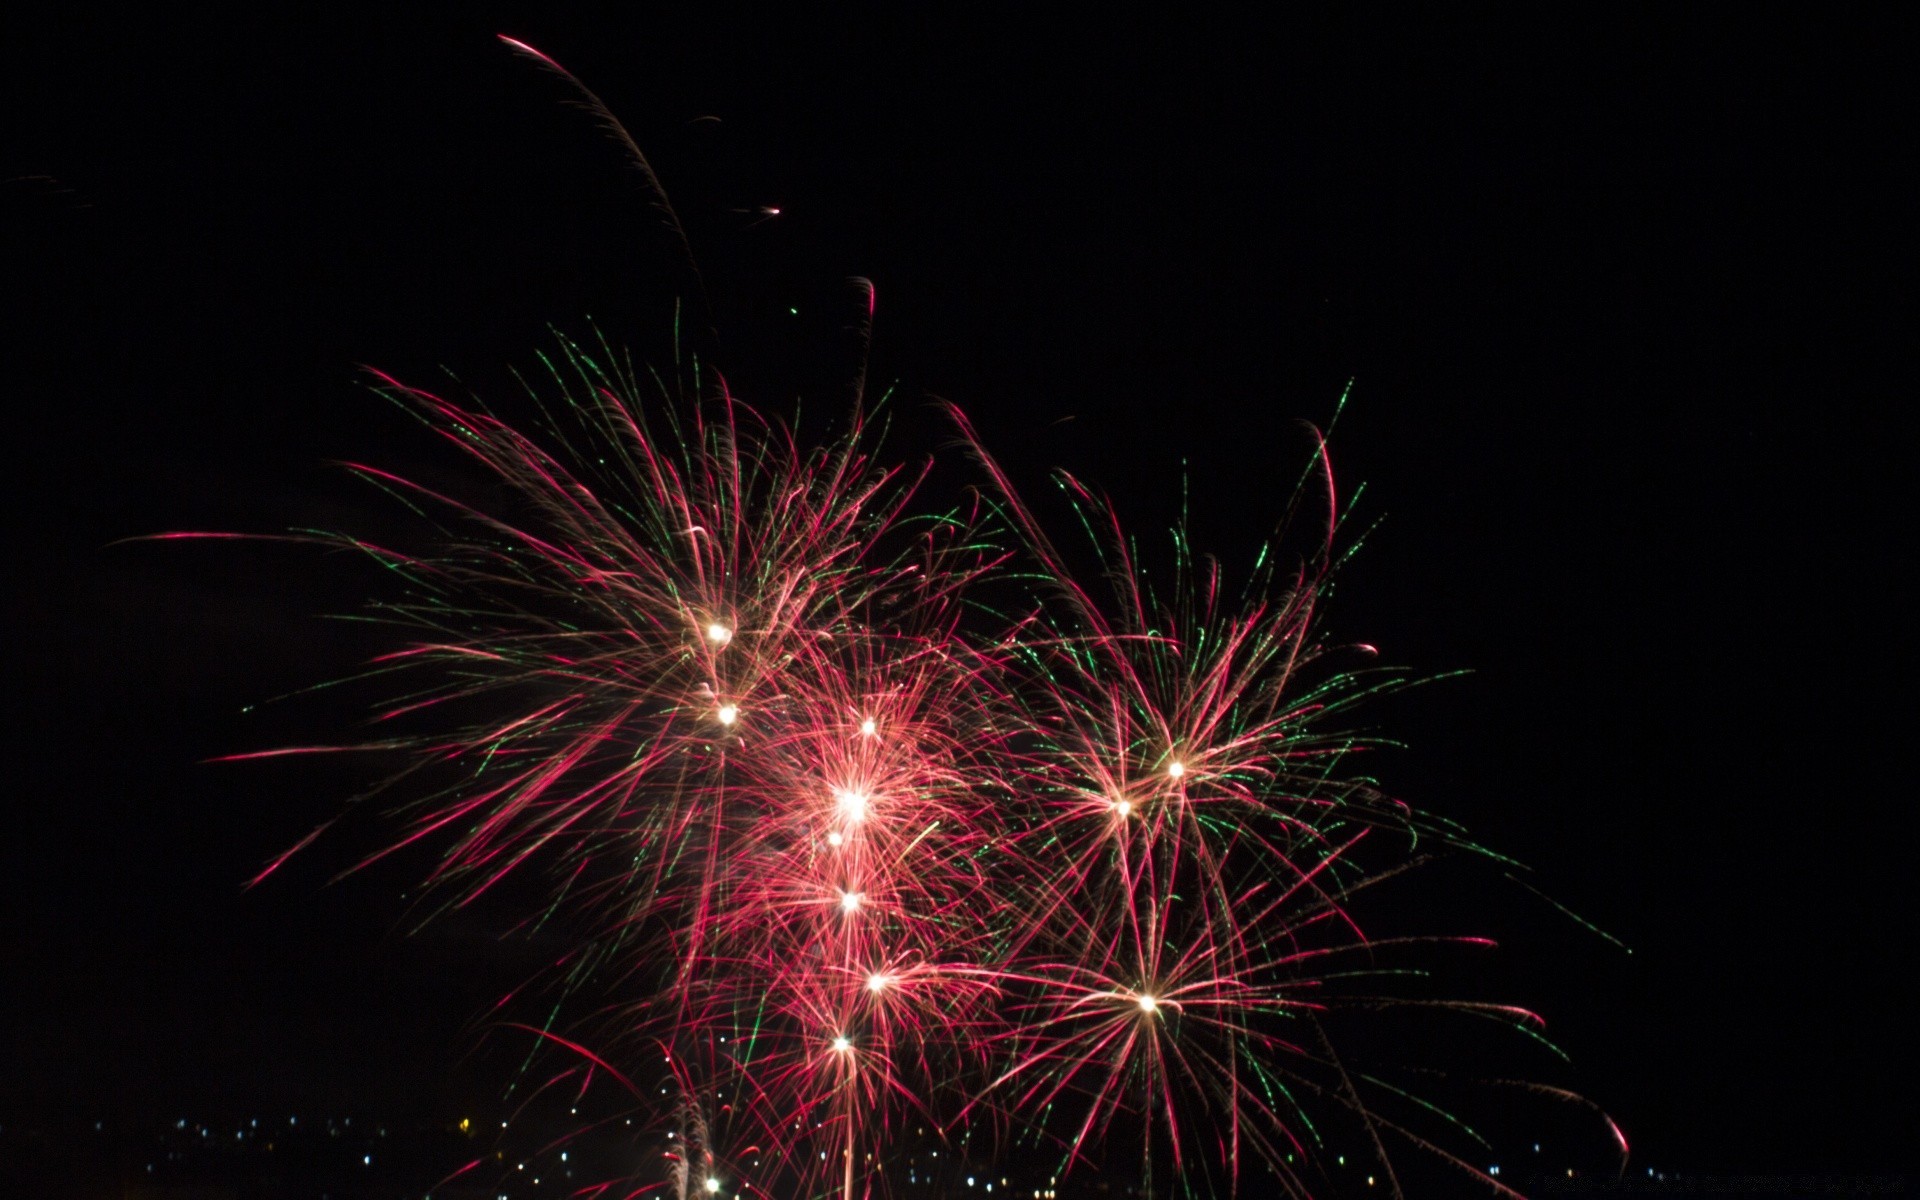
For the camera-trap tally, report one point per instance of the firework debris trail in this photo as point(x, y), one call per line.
point(878, 815)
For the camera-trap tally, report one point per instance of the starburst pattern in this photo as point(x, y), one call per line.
point(870, 813)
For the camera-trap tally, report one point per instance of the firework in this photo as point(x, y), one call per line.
point(875, 816)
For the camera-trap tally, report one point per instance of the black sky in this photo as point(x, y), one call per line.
point(1626, 299)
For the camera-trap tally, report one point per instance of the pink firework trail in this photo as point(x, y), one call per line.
point(877, 816)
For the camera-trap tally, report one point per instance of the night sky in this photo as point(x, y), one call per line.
point(1620, 296)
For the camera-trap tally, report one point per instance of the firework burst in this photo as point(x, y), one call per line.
point(850, 847)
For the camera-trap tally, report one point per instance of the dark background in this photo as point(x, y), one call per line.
point(1620, 294)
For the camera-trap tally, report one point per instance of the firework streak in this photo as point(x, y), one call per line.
point(878, 818)
point(875, 816)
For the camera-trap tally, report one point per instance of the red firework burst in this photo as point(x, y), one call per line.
point(852, 847)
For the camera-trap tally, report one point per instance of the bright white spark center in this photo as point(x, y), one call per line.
point(719, 634)
point(853, 805)
point(841, 1045)
point(713, 1185)
point(876, 982)
point(728, 714)
point(1123, 807)
point(849, 901)
point(868, 727)
point(835, 838)
point(1176, 769)
point(1148, 1004)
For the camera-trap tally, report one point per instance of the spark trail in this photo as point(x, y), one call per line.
point(868, 813)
